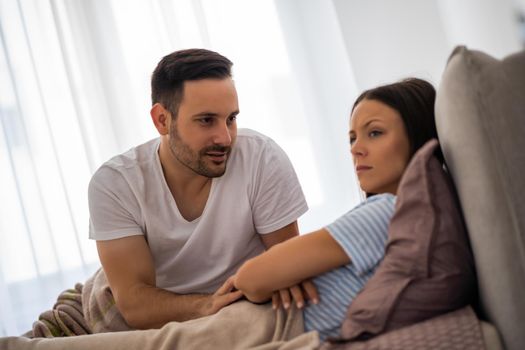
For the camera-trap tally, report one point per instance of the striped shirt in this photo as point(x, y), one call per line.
point(362, 233)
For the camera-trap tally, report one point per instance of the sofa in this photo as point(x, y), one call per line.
point(480, 117)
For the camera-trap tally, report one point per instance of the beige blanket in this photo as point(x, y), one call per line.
point(242, 325)
point(91, 309)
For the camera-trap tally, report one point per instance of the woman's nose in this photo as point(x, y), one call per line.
point(357, 149)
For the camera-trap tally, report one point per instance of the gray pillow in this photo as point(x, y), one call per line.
point(428, 268)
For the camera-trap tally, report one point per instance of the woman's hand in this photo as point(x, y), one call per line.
point(300, 294)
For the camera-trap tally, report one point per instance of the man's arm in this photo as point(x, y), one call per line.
point(281, 235)
point(129, 267)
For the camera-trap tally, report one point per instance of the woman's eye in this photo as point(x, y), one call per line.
point(375, 133)
point(352, 140)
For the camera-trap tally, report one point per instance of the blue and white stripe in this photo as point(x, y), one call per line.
point(362, 233)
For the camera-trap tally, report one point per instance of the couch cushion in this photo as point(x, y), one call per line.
point(458, 329)
point(428, 267)
point(480, 117)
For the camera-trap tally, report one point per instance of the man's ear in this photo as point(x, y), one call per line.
point(161, 118)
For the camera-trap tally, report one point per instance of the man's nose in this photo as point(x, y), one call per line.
point(222, 135)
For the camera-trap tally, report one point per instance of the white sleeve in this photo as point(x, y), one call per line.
point(278, 198)
point(112, 206)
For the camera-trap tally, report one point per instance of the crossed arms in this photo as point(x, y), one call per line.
point(288, 264)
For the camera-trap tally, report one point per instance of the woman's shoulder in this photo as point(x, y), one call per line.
point(387, 199)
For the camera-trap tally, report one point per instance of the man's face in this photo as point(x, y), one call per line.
point(205, 129)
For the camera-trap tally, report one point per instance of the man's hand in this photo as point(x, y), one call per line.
point(130, 270)
point(225, 295)
point(301, 293)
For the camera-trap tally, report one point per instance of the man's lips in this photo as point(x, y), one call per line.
point(361, 168)
point(217, 156)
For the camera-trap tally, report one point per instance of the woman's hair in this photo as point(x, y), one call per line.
point(414, 99)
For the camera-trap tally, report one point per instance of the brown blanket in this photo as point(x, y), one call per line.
point(65, 319)
point(86, 309)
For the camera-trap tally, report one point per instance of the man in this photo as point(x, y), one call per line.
point(176, 216)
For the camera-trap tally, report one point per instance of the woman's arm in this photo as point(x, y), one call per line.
point(288, 263)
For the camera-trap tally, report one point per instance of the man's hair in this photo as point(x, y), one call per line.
point(414, 99)
point(167, 80)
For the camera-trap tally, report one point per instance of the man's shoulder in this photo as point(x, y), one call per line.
point(135, 156)
point(251, 140)
point(132, 160)
point(250, 134)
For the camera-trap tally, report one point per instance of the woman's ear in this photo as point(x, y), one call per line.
point(161, 118)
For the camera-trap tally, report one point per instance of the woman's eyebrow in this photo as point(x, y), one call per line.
point(371, 121)
point(365, 124)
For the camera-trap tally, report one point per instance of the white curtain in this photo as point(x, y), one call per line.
point(74, 91)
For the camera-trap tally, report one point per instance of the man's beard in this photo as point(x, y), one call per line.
point(196, 161)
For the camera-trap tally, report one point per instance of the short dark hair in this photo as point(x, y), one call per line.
point(414, 99)
point(167, 80)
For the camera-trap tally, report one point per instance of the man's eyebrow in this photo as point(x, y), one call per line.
point(212, 114)
point(205, 114)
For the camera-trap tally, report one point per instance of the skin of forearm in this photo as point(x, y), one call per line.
point(288, 264)
point(146, 307)
point(257, 280)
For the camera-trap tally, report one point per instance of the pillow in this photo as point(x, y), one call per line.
point(428, 267)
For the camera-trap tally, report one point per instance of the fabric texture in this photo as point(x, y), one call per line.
point(128, 195)
point(480, 119)
point(428, 267)
point(88, 308)
point(241, 325)
point(65, 319)
point(99, 306)
point(362, 233)
point(458, 329)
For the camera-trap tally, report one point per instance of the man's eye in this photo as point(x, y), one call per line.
point(232, 119)
point(206, 120)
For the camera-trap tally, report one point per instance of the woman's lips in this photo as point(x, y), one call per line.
point(362, 168)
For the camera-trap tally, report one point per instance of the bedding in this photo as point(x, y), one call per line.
point(85, 309)
point(458, 329)
point(241, 325)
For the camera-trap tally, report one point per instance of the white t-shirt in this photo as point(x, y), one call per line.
point(259, 193)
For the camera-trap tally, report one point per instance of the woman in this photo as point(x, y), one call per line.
point(388, 125)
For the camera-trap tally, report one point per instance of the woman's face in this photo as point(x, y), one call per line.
point(379, 145)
